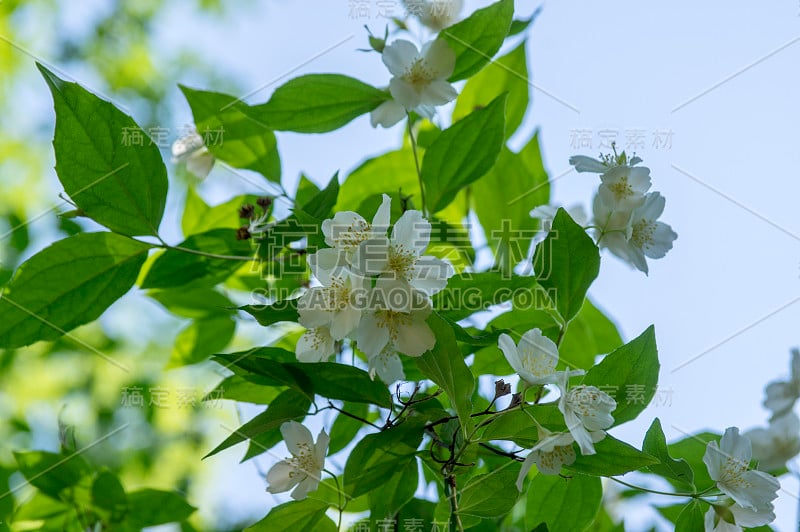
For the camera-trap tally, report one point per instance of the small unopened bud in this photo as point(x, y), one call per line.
point(264, 202)
point(501, 388)
point(376, 43)
point(246, 211)
point(243, 233)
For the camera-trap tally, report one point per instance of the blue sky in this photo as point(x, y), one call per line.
point(718, 78)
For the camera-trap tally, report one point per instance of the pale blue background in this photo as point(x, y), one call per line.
point(623, 65)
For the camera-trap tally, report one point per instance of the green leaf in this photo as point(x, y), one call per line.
point(289, 405)
point(343, 382)
point(149, 507)
point(396, 490)
point(633, 366)
point(508, 74)
point(178, 268)
point(444, 365)
point(117, 182)
point(477, 38)
point(692, 518)
point(321, 204)
point(68, 284)
point(563, 504)
point(692, 449)
point(239, 138)
point(388, 173)
point(345, 428)
point(109, 496)
point(613, 457)
point(306, 189)
point(567, 261)
point(298, 516)
point(590, 333)
point(463, 153)
point(195, 303)
point(245, 389)
point(467, 293)
point(285, 310)
point(201, 339)
point(655, 444)
point(492, 494)
point(504, 217)
point(50, 472)
point(199, 217)
point(318, 103)
point(378, 456)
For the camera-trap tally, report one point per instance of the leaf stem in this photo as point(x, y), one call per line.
point(209, 255)
point(339, 495)
point(419, 170)
point(451, 491)
point(657, 492)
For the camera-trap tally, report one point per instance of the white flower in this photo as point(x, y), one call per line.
point(646, 236)
point(316, 345)
point(534, 359)
point(191, 150)
point(304, 468)
point(718, 517)
point(419, 81)
point(551, 452)
point(435, 14)
point(583, 163)
point(344, 233)
point(781, 395)
point(624, 187)
point(333, 305)
point(400, 257)
point(386, 365)
point(586, 409)
point(396, 318)
point(546, 213)
point(728, 465)
point(778, 443)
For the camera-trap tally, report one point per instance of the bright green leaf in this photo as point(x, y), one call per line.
point(50, 472)
point(237, 137)
point(567, 261)
point(201, 339)
point(149, 507)
point(692, 518)
point(109, 167)
point(613, 458)
point(477, 38)
point(655, 444)
point(492, 494)
point(298, 516)
point(563, 504)
point(634, 366)
point(444, 365)
point(468, 293)
point(463, 153)
point(345, 428)
point(317, 103)
point(508, 74)
point(177, 268)
point(68, 284)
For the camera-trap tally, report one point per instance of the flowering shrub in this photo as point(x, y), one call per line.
point(370, 285)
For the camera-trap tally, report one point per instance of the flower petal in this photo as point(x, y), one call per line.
point(280, 477)
point(439, 58)
point(415, 338)
point(412, 232)
point(399, 56)
point(296, 436)
point(404, 93)
point(438, 92)
point(387, 114)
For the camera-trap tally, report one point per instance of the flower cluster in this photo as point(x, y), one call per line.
point(586, 409)
point(749, 492)
point(625, 213)
point(374, 289)
point(419, 81)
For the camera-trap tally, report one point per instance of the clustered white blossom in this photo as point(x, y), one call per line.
point(586, 409)
point(625, 213)
point(419, 80)
point(374, 289)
